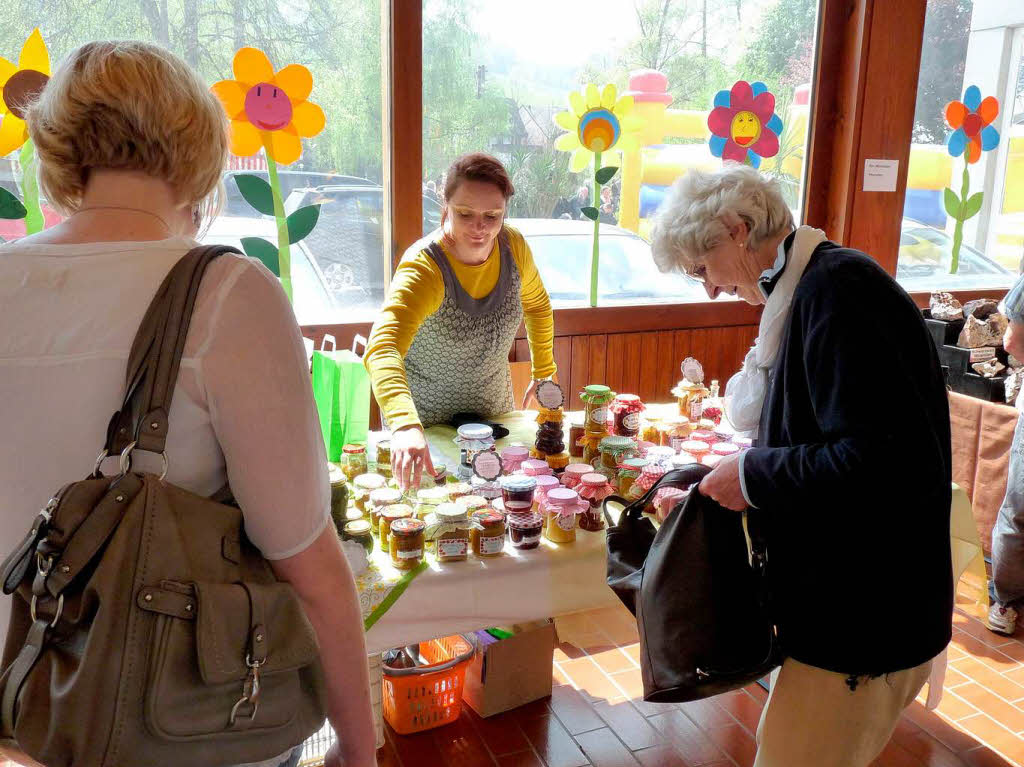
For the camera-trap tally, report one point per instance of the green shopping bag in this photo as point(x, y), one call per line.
point(341, 389)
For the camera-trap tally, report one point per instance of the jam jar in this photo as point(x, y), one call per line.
point(614, 450)
point(629, 472)
point(725, 449)
point(485, 488)
point(550, 438)
point(545, 484)
point(339, 496)
point(525, 530)
point(576, 433)
point(536, 468)
point(380, 499)
point(406, 542)
point(651, 473)
point(594, 488)
point(591, 448)
point(701, 435)
point(353, 461)
point(472, 503)
point(362, 486)
point(696, 448)
point(429, 499)
point(574, 473)
point(450, 532)
point(388, 515)
point(512, 458)
point(457, 490)
point(596, 399)
point(487, 534)
point(472, 438)
point(517, 493)
point(358, 530)
point(626, 410)
point(561, 508)
point(384, 457)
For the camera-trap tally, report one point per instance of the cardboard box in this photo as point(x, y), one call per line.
point(512, 672)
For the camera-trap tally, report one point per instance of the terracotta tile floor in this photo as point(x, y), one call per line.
point(596, 717)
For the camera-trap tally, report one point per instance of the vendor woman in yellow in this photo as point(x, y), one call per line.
point(440, 345)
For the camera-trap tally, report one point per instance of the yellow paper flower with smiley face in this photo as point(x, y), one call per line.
point(269, 109)
point(20, 84)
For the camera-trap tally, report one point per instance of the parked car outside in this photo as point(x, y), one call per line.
point(290, 180)
point(313, 301)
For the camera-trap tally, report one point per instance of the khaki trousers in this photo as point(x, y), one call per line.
point(812, 719)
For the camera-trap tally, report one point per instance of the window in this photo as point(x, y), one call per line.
point(494, 78)
point(339, 42)
point(966, 44)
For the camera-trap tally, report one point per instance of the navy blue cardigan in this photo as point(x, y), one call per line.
point(852, 467)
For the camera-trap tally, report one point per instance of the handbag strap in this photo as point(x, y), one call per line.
point(682, 478)
point(155, 356)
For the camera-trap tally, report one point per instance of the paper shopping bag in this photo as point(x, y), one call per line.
point(341, 389)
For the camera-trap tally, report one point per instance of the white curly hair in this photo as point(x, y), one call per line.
point(702, 207)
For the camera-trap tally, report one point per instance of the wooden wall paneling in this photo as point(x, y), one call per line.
point(667, 364)
point(648, 367)
point(579, 371)
point(563, 358)
point(598, 373)
point(631, 365)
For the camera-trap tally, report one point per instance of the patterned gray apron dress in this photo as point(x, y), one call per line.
point(458, 361)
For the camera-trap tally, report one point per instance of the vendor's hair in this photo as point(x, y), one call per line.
point(128, 106)
point(701, 207)
point(478, 167)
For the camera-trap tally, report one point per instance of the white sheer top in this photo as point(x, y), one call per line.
point(242, 412)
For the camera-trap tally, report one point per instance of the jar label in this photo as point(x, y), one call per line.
point(452, 547)
point(526, 540)
point(600, 415)
point(696, 409)
point(567, 522)
point(631, 422)
point(492, 544)
point(410, 554)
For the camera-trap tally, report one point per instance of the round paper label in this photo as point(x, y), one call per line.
point(487, 465)
point(632, 421)
point(549, 395)
point(567, 521)
point(692, 370)
point(600, 415)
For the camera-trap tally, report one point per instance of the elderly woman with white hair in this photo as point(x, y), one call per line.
point(850, 470)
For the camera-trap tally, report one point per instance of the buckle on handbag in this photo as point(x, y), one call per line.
point(250, 691)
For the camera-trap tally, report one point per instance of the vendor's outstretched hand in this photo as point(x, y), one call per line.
point(723, 484)
point(410, 457)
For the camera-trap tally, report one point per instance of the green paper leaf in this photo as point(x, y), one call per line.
point(257, 247)
point(973, 205)
point(952, 202)
point(10, 206)
point(301, 222)
point(605, 175)
point(590, 212)
point(256, 192)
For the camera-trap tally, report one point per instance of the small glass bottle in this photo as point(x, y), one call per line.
point(384, 458)
point(339, 496)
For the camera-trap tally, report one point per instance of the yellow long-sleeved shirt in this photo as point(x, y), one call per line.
point(417, 291)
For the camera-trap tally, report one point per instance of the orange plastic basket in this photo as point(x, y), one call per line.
point(421, 698)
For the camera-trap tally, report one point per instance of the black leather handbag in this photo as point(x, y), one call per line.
point(698, 588)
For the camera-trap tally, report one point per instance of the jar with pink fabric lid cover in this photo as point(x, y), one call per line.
point(545, 484)
point(512, 458)
point(573, 474)
point(594, 488)
point(561, 508)
point(534, 468)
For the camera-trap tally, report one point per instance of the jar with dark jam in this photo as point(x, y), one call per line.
point(517, 493)
point(626, 410)
point(525, 530)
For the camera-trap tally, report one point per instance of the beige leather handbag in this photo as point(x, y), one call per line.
point(146, 629)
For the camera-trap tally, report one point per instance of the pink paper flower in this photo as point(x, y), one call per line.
point(744, 125)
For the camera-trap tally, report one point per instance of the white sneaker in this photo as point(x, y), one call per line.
point(1002, 619)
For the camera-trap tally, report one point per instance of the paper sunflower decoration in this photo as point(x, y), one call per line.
point(20, 84)
point(971, 121)
point(271, 111)
point(743, 124)
point(599, 123)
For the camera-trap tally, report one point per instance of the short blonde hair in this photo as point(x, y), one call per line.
point(702, 207)
point(128, 105)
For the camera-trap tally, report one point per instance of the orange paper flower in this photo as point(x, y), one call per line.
point(268, 109)
point(971, 121)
